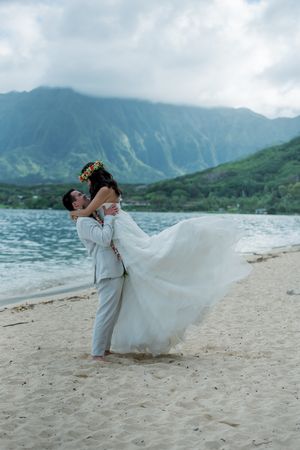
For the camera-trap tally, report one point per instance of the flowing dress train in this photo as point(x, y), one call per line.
point(174, 277)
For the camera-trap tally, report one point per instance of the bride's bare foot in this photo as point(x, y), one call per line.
point(98, 358)
point(108, 352)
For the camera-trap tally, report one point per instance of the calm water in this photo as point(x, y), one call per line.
point(39, 250)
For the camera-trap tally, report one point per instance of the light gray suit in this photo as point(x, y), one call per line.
point(108, 276)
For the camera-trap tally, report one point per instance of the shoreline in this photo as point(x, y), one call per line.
point(251, 212)
point(233, 384)
point(39, 297)
point(57, 293)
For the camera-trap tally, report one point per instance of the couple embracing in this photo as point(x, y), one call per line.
point(173, 277)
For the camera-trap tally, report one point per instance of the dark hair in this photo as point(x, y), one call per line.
point(68, 200)
point(100, 178)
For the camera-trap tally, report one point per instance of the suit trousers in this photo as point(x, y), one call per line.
point(110, 291)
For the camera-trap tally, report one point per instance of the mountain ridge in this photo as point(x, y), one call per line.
point(268, 182)
point(48, 134)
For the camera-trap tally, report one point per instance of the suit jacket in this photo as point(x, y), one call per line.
point(97, 238)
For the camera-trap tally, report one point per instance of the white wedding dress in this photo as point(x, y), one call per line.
point(173, 278)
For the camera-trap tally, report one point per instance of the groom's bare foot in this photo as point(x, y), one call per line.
point(98, 358)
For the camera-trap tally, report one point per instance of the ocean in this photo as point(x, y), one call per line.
point(40, 252)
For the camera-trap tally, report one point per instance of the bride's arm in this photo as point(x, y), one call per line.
point(101, 197)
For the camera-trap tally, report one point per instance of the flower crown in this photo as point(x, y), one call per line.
point(89, 170)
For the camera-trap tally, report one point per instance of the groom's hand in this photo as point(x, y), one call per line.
point(111, 211)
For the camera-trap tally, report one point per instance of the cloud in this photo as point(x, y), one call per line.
point(223, 52)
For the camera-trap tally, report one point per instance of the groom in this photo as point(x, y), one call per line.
point(109, 269)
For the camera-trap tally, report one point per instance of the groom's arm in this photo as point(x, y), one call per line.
point(90, 230)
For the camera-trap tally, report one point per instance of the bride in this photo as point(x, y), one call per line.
point(174, 277)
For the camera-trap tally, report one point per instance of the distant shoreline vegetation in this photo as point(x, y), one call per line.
point(265, 183)
point(143, 198)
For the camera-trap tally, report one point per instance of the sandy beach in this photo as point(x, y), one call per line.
point(233, 384)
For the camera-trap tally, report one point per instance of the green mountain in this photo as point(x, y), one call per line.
point(268, 181)
point(47, 135)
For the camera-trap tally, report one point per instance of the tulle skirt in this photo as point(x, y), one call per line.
point(174, 277)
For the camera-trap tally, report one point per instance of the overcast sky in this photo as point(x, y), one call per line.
point(239, 53)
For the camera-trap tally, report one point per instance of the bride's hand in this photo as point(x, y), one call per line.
point(111, 211)
point(74, 215)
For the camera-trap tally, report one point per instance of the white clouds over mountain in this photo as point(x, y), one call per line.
point(221, 52)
